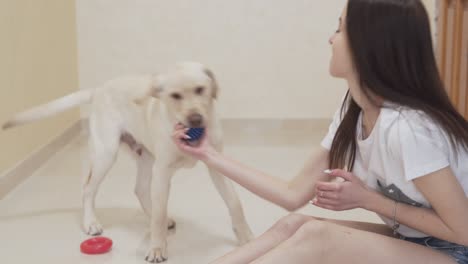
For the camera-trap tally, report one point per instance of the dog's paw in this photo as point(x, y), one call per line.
point(93, 229)
point(243, 236)
point(156, 255)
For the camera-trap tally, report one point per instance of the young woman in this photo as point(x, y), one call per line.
point(397, 141)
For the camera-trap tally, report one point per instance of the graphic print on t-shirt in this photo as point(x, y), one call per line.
point(393, 192)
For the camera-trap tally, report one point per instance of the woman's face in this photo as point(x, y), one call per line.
point(340, 64)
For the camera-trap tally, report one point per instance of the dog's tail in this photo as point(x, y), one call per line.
point(49, 109)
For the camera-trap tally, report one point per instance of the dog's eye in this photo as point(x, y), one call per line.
point(176, 96)
point(199, 90)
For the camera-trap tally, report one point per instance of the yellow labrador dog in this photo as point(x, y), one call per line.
point(141, 112)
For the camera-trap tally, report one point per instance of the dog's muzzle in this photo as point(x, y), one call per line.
point(195, 120)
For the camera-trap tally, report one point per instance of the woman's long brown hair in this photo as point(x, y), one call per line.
point(392, 51)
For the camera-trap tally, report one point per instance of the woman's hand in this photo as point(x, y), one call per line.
point(199, 151)
point(338, 196)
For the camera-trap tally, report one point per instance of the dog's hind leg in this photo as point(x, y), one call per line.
point(103, 150)
point(226, 190)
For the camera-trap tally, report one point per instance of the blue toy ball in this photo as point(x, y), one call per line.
point(195, 133)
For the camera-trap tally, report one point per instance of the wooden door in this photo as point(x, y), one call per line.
point(452, 50)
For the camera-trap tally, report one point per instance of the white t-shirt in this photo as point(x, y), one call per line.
point(403, 145)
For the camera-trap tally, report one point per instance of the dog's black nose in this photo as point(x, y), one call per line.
point(195, 120)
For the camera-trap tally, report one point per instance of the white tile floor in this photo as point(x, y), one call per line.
point(40, 219)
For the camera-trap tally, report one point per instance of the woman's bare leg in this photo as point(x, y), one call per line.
point(278, 233)
point(283, 230)
point(325, 242)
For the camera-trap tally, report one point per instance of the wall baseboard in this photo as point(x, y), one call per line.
point(259, 132)
point(251, 132)
point(25, 168)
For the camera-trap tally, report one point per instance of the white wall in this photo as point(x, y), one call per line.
point(270, 56)
point(431, 11)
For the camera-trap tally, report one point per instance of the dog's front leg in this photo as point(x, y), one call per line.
point(160, 188)
point(226, 190)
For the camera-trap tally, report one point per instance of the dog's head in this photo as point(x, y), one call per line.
point(188, 92)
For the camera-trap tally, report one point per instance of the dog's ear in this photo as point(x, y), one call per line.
point(214, 83)
point(156, 85)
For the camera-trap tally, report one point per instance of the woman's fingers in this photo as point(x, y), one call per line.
point(326, 194)
point(326, 201)
point(346, 175)
point(180, 134)
point(328, 186)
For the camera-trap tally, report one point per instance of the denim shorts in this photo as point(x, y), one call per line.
point(456, 251)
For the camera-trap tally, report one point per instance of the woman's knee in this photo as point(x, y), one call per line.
point(288, 225)
point(314, 230)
